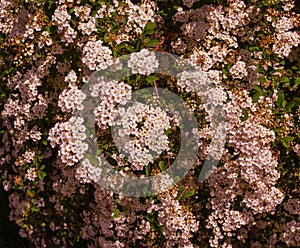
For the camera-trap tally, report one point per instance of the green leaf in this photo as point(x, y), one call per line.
point(284, 103)
point(153, 43)
point(147, 170)
point(115, 54)
point(254, 49)
point(291, 104)
point(297, 80)
point(149, 28)
point(289, 138)
point(286, 141)
point(47, 19)
point(116, 213)
point(150, 79)
point(262, 79)
point(126, 47)
point(280, 99)
point(245, 115)
point(94, 161)
point(181, 189)
point(256, 96)
point(284, 80)
point(277, 129)
point(30, 193)
point(47, 28)
point(161, 165)
point(71, 11)
point(188, 194)
point(282, 62)
point(41, 174)
point(112, 161)
point(168, 131)
point(257, 88)
point(42, 167)
point(139, 45)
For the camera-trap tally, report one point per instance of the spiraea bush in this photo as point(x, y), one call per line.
point(249, 49)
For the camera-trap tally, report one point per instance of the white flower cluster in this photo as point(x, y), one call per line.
point(162, 182)
point(87, 23)
point(215, 96)
point(93, 171)
point(31, 174)
point(71, 98)
point(106, 10)
point(254, 169)
point(206, 61)
point(96, 56)
point(283, 24)
point(78, 133)
point(26, 158)
point(179, 46)
point(82, 175)
point(142, 133)
point(71, 77)
point(112, 93)
point(139, 16)
point(292, 206)
point(285, 42)
point(61, 19)
point(143, 62)
point(179, 223)
point(291, 235)
point(238, 70)
point(192, 81)
point(198, 82)
point(69, 136)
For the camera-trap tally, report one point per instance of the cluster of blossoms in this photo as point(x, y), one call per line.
point(88, 172)
point(291, 235)
point(87, 23)
point(96, 56)
point(147, 125)
point(139, 16)
point(143, 62)
point(292, 206)
point(254, 169)
point(26, 158)
point(61, 19)
point(179, 222)
point(31, 174)
point(198, 82)
point(195, 81)
point(69, 136)
point(112, 93)
point(61, 134)
point(228, 24)
point(71, 98)
point(285, 39)
point(239, 70)
point(7, 17)
point(132, 17)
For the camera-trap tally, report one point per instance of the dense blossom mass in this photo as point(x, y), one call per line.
point(246, 76)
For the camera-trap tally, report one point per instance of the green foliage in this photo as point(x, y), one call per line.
point(185, 195)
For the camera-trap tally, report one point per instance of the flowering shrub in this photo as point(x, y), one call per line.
point(249, 51)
